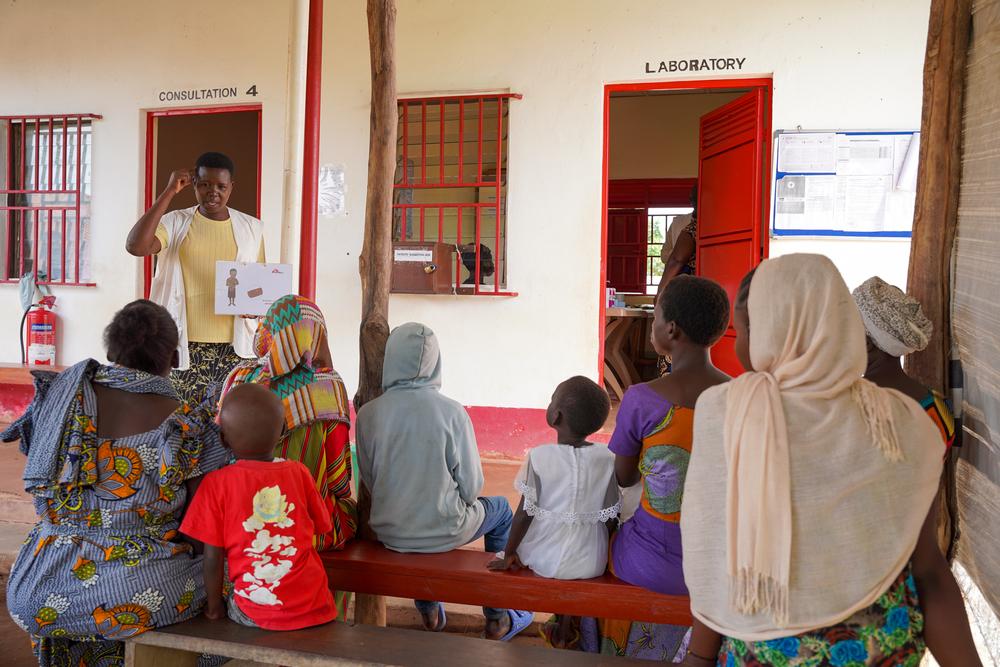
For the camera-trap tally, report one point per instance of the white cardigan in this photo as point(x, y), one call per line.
point(168, 283)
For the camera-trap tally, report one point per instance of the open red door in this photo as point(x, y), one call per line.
point(731, 200)
point(627, 249)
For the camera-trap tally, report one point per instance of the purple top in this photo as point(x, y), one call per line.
point(647, 550)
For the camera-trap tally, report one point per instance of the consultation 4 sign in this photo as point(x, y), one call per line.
point(198, 94)
point(696, 65)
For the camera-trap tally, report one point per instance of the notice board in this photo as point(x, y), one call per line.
point(844, 183)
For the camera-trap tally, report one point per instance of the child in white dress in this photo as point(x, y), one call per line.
point(569, 496)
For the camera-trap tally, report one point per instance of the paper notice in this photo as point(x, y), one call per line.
point(805, 202)
point(861, 202)
point(906, 179)
point(413, 255)
point(864, 155)
point(809, 153)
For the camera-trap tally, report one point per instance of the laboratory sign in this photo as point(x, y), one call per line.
point(696, 65)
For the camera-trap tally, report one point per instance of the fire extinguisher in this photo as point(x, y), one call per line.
point(41, 327)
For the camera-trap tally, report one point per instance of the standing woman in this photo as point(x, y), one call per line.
point(807, 523)
point(187, 244)
point(112, 458)
point(293, 361)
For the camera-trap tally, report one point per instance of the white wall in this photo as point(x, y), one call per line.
point(111, 57)
point(851, 64)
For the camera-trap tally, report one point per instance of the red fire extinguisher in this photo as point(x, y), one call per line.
point(41, 326)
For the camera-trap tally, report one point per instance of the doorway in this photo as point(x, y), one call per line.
point(176, 137)
point(660, 140)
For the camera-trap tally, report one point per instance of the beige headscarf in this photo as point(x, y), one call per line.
point(828, 478)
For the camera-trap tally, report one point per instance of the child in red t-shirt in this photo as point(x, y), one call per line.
point(262, 513)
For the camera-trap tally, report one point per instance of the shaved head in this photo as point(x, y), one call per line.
point(252, 419)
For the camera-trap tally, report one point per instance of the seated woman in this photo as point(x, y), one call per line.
point(807, 518)
point(652, 445)
point(896, 326)
point(294, 362)
point(112, 458)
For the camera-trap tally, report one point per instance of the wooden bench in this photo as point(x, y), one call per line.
point(341, 644)
point(461, 576)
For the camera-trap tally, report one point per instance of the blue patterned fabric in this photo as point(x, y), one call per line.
point(105, 561)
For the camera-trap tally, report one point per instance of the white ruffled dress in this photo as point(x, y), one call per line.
point(570, 492)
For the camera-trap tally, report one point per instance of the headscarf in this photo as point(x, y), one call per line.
point(288, 341)
point(803, 430)
point(894, 320)
point(58, 432)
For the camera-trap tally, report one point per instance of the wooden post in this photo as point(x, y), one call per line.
point(936, 217)
point(939, 174)
point(375, 263)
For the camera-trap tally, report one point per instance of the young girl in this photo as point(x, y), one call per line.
point(652, 445)
point(808, 524)
point(569, 500)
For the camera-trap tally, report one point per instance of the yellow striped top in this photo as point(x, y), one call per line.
point(207, 242)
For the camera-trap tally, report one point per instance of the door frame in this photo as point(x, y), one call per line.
point(694, 86)
point(151, 116)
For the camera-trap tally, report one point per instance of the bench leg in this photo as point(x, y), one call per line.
point(143, 655)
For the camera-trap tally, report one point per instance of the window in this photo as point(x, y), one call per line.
point(45, 164)
point(451, 183)
point(659, 222)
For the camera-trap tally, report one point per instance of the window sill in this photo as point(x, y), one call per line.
point(467, 293)
point(50, 285)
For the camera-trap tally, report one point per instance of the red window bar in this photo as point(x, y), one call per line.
point(450, 183)
point(45, 201)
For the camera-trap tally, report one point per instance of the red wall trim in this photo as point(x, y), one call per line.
point(310, 158)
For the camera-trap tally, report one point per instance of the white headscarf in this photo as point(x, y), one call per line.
point(828, 478)
point(894, 320)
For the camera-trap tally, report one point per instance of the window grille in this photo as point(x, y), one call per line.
point(659, 223)
point(451, 183)
point(45, 171)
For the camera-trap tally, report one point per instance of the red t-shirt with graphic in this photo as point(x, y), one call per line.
point(264, 515)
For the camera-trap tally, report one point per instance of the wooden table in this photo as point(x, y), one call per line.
point(620, 372)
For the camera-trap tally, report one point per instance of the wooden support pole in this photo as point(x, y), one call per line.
point(375, 263)
point(938, 179)
point(936, 217)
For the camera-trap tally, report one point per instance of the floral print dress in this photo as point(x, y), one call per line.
point(888, 633)
point(105, 561)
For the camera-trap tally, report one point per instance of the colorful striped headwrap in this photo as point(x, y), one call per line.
point(288, 341)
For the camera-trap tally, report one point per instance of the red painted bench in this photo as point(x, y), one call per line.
point(461, 576)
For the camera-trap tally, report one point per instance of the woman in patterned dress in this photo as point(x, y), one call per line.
point(112, 458)
point(294, 362)
point(808, 522)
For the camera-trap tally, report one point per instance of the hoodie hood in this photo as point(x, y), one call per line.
point(412, 358)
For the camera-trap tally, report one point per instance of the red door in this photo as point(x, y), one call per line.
point(731, 200)
point(627, 249)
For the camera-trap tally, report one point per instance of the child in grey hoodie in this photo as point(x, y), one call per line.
point(420, 466)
